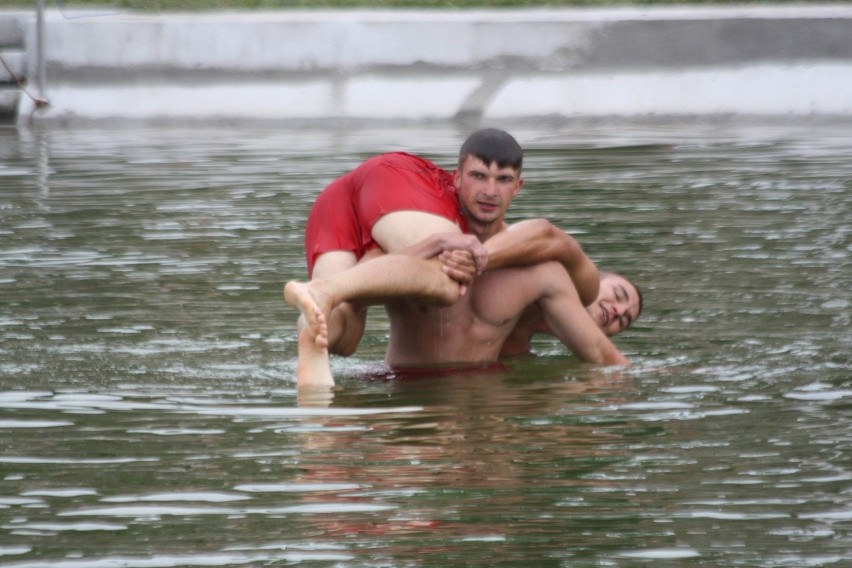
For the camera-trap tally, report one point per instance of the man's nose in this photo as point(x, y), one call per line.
point(490, 187)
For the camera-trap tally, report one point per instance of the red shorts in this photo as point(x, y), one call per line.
point(343, 215)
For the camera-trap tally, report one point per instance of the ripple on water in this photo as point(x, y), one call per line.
point(67, 492)
point(177, 431)
point(11, 424)
point(14, 550)
point(661, 553)
point(202, 496)
point(156, 511)
point(223, 558)
point(42, 528)
point(74, 461)
point(818, 392)
point(295, 487)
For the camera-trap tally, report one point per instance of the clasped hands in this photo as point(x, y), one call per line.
point(463, 258)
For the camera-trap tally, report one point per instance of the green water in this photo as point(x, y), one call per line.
point(148, 413)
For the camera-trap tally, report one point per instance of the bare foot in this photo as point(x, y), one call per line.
point(314, 304)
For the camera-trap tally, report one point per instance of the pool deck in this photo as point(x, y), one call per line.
point(497, 66)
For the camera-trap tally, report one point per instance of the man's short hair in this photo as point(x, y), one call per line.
point(493, 146)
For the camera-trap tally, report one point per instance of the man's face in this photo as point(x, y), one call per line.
point(616, 306)
point(485, 191)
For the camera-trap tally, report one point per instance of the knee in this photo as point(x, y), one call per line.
point(344, 349)
point(350, 322)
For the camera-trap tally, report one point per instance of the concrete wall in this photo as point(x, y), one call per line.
point(412, 65)
point(12, 63)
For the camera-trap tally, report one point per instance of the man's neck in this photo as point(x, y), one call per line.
point(484, 231)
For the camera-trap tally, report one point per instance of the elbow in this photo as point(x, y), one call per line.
point(562, 246)
point(547, 229)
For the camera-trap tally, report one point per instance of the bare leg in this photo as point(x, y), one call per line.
point(400, 229)
point(376, 281)
point(314, 367)
point(329, 317)
point(329, 322)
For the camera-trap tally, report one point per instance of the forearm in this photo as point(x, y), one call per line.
point(595, 348)
point(569, 321)
point(427, 248)
point(588, 343)
point(537, 240)
point(610, 355)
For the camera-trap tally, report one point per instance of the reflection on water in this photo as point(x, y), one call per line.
point(148, 411)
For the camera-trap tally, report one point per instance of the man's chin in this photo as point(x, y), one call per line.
point(596, 317)
point(484, 219)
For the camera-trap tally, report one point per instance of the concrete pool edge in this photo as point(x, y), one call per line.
point(415, 66)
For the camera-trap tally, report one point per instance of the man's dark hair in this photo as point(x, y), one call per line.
point(641, 299)
point(493, 146)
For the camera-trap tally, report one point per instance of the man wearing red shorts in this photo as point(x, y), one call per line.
point(343, 216)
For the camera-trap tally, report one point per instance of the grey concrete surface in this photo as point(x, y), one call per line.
point(474, 65)
point(12, 63)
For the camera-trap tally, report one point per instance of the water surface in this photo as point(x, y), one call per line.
point(148, 413)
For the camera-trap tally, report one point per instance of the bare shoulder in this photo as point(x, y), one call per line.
point(504, 294)
point(554, 275)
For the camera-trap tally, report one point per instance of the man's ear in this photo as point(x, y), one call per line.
point(457, 179)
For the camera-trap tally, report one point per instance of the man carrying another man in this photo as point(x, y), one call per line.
point(414, 210)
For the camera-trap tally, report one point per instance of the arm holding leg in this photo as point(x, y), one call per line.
point(537, 240)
